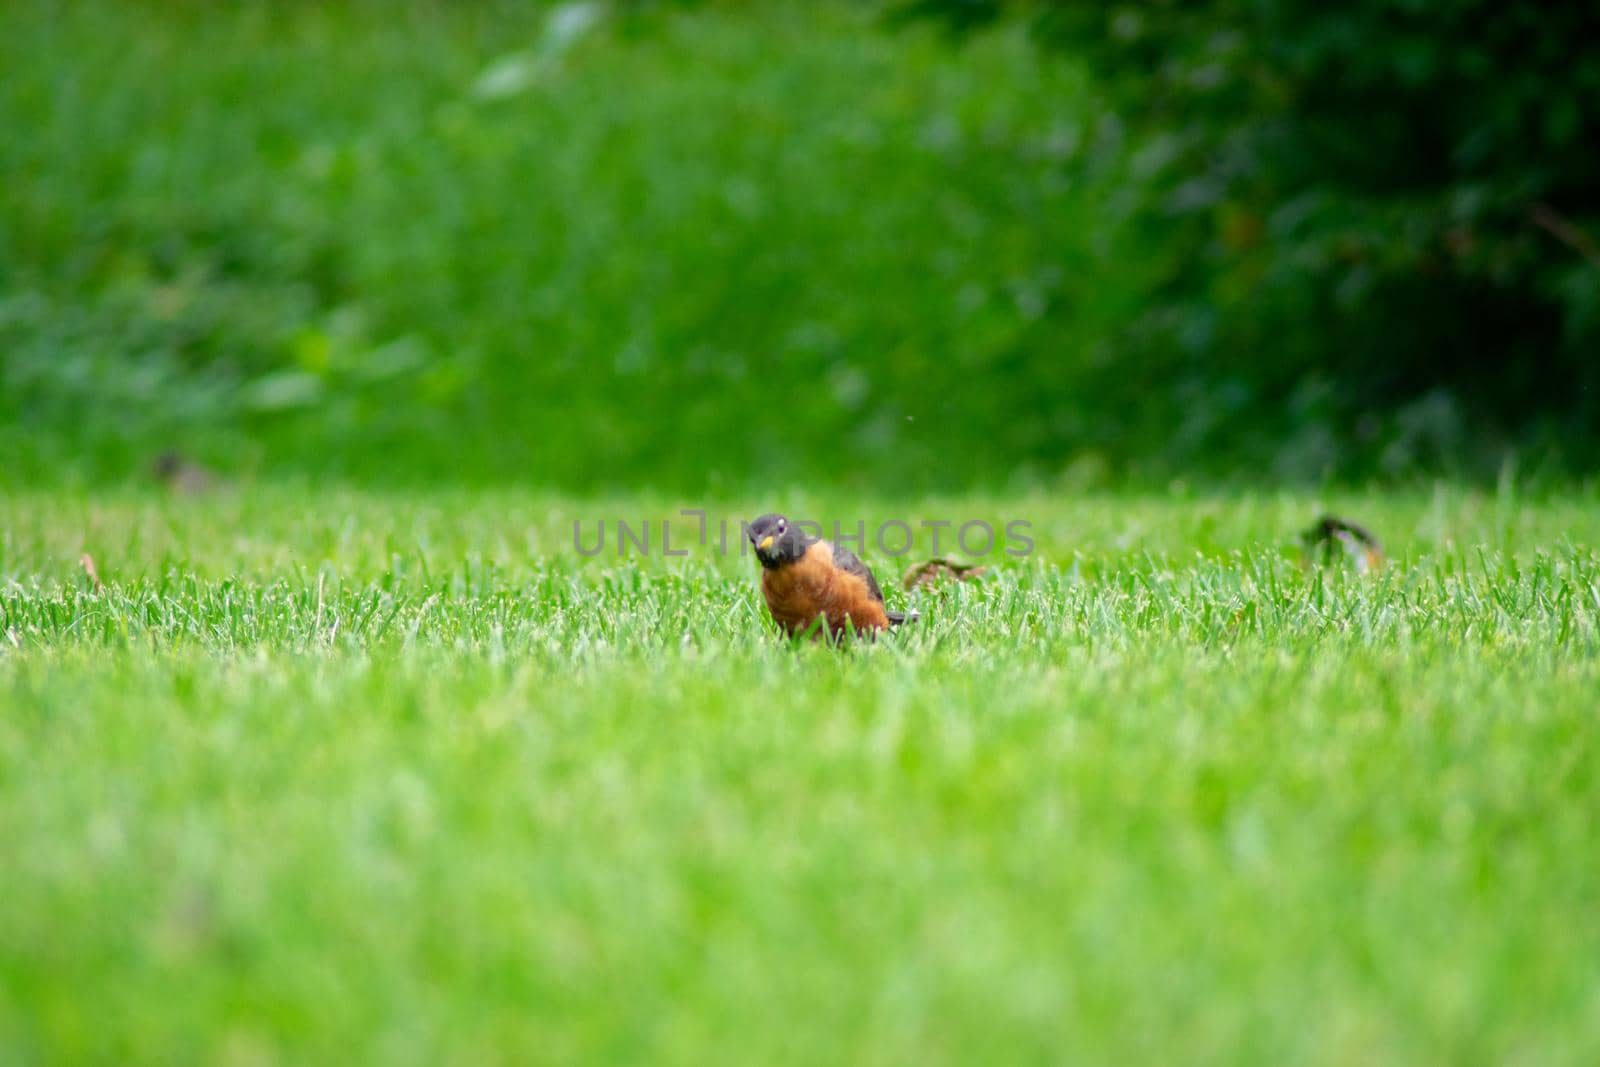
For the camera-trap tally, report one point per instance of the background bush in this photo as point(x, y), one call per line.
point(586, 246)
point(1379, 217)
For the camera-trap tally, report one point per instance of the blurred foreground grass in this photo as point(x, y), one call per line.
point(335, 777)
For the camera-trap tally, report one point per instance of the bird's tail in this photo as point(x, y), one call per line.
point(898, 617)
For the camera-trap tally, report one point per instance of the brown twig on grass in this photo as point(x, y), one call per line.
point(86, 561)
point(939, 570)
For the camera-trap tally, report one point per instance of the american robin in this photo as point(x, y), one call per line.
point(805, 579)
point(1352, 541)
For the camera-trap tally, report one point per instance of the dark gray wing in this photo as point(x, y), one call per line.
point(848, 561)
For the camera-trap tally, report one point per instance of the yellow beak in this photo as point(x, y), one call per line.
point(766, 543)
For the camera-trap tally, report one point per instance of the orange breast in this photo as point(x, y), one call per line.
point(813, 588)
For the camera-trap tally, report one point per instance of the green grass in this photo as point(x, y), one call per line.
point(349, 777)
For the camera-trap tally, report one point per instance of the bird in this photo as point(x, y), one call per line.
point(1332, 536)
point(814, 586)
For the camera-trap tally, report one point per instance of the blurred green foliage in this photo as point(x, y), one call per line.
point(562, 246)
point(683, 247)
point(1385, 215)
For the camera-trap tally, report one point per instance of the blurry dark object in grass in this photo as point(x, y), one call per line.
point(935, 571)
point(1331, 538)
point(183, 475)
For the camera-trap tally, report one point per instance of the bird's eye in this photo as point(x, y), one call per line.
point(780, 527)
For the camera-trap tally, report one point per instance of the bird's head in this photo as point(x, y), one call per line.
point(777, 541)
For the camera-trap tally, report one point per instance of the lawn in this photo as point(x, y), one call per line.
point(360, 758)
point(335, 776)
